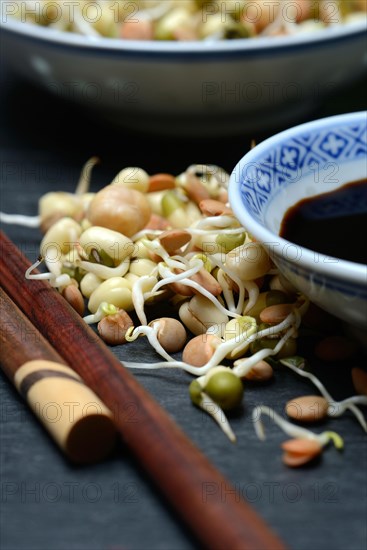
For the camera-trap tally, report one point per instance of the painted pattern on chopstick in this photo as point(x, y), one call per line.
point(73, 415)
point(34, 377)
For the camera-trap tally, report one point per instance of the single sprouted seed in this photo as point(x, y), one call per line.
point(104, 309)
point(292, 429)
point(335, 409)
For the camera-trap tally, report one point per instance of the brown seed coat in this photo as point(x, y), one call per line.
point(196, 191)
point(161, 182)
point(200, 349)
point(299, 451)
point(276, 314)
point(261, 372)
point(174, 239)
point(171, 334)
point(211, 207)
point(308, 408)
point(74, 297)
point(112, 329)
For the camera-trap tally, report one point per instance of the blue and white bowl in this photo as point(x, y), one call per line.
point(307, 160)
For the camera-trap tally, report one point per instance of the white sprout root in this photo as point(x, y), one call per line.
point(85, 176)
point(18, 219)
point(103, 310)
point(291, 429)
point(243, 365)
point(103, 271)
point(212, 408)
point(56, 281)
point(152, 334)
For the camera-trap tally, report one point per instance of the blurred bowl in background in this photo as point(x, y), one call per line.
point(189, 88)
point(307, 160)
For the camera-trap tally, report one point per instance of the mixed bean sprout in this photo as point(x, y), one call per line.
point(188, 20)
point(147, 238)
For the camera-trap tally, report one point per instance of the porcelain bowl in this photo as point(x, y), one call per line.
point(189, 88)
point(305, 161)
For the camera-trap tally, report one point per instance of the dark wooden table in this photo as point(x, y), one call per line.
point(48, 504)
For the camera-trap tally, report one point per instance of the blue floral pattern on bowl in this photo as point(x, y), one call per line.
point(303, 154)
point(304, 161)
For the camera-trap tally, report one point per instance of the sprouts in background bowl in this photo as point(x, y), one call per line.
point(188, 20)
point(198, 86)
point(305, 161)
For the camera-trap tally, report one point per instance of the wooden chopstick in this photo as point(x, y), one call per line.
point(82, 427)
point(178, 468)
point(20, 340)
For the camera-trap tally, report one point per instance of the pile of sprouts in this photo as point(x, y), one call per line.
point(188, 20)
point(144, 239)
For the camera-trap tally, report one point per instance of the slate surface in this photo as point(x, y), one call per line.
point(48, 504)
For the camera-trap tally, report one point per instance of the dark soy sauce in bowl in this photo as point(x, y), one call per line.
point(332, 223)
